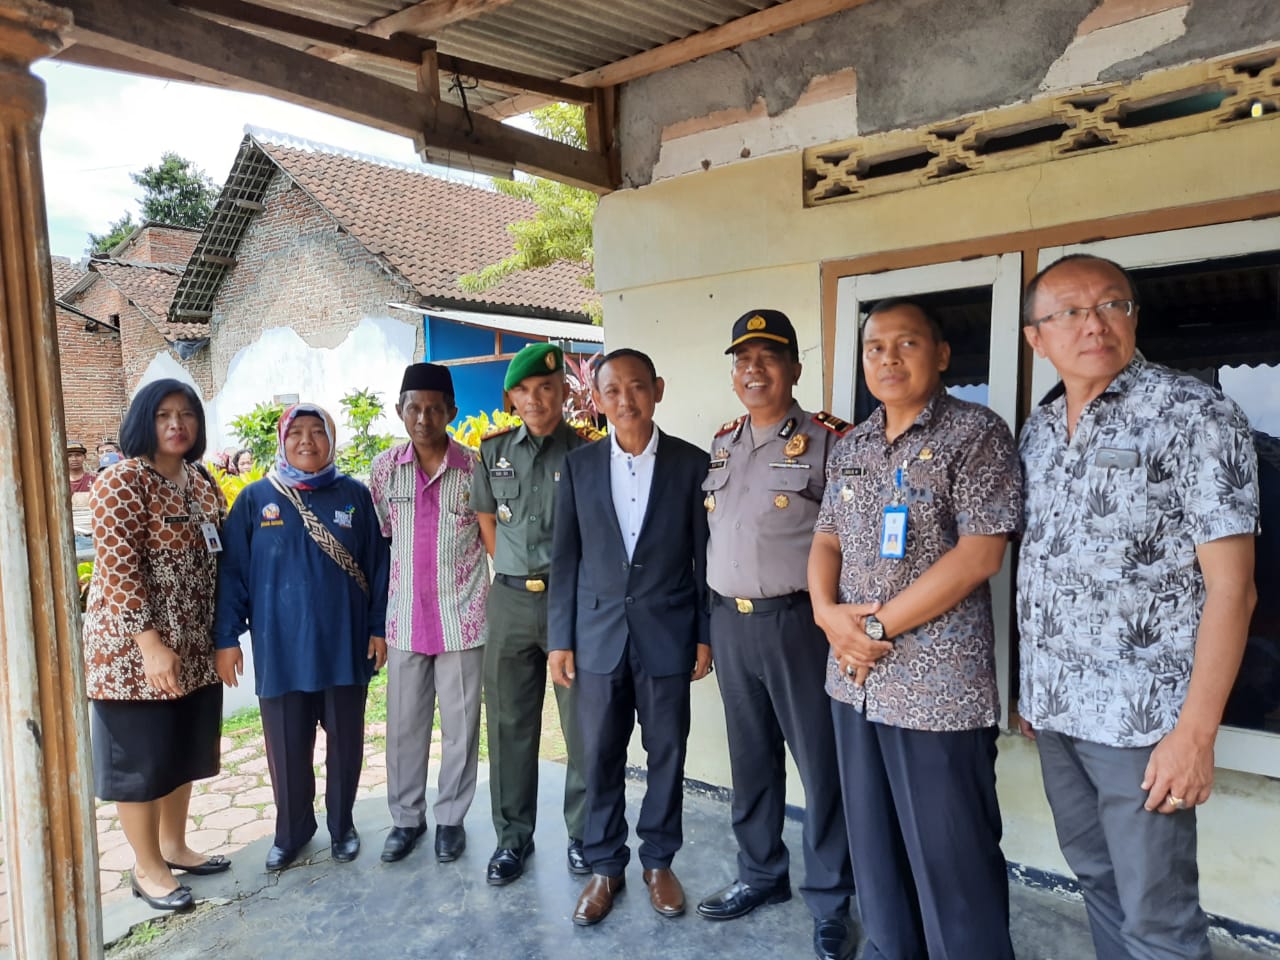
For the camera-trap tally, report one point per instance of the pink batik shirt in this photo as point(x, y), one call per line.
point(439, 579)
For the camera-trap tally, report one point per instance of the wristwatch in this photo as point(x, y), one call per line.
point(873, 628)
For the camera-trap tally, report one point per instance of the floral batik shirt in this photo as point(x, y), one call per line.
point(1109, 589)
point(960, 477)
point(152, 569)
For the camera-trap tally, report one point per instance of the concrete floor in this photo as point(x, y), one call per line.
point(418, 908)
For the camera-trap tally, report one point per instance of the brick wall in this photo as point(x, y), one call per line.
point(296, 268)
point(93, 396)
point(160, 244)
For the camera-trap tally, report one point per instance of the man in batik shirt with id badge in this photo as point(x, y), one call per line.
point(920, 501)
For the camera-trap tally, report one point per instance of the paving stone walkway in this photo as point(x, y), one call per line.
point(228, 812)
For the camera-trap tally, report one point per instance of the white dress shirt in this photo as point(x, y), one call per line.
point(630, 478)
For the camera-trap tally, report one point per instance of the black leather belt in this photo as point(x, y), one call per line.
point(536, 584)
point(762, 605)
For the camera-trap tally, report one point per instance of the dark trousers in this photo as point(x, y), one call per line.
point(515, 684)
point(289, 725)
point(1137, 869)
point(771, 668)
point(924, 831)
point(608, 706)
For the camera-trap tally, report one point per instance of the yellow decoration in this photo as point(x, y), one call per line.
point(797, 445)
point(781, 501)
point(756, 323)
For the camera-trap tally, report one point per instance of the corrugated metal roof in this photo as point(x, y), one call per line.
point(550, 39)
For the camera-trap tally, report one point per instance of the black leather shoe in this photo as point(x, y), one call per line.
point(450, 842)
point(507, 864)
point(738, 899)
point(400, 842)
point(278, 858)
point(578, 865)
point(345, 850)
point(177, 899)
point(832, 939)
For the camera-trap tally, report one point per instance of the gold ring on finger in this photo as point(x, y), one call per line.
point(1176, 802)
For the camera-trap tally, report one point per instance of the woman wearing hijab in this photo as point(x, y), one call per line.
point(305, 569)
point(156, 703)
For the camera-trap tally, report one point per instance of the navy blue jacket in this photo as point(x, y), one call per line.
point(309, 621)
point(659, 598)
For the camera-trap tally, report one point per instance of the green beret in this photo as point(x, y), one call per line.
point(535, 360)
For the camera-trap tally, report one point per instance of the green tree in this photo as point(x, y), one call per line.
point(257, 430)
point(115, 235)
point(360, 408)
point(561, 228)
point(174, 191)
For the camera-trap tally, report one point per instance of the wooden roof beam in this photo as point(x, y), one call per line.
point(345, 46)
point(178, 41)
point(753, 26)
point(428, 16)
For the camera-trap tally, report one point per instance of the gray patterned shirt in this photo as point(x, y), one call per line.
point(1109, 590)
point(960, 478)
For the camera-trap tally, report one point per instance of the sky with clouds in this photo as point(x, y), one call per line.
point(100, 126)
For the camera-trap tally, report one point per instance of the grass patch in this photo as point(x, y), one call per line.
point(142, 934)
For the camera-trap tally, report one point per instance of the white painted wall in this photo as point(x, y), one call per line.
point(165, 366)
point(374, 355)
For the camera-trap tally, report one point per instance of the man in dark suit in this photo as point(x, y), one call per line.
point(629, 625)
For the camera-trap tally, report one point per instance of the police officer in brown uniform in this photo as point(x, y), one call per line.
point(762, 494)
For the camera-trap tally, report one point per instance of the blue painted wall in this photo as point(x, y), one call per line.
point(476, 386)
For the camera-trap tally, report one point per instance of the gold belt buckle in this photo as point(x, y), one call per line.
point(744, 605)
point(535, 586)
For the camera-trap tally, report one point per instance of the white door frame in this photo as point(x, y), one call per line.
point(1251, 751)
point(1003, 273)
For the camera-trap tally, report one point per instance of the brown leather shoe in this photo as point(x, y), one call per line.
point(665, 892)
point(597, 899)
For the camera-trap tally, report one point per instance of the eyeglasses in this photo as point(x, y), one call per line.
point(1074, 317)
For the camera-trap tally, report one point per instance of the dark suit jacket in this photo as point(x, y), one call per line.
point(659, 598)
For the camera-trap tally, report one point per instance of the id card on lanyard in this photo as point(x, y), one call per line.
point(893, 530)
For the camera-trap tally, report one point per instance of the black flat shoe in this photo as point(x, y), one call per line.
point(278, 858)
point(401, 841)
point(507, 864)
point(450, 842)
point(578, 865)
point(215, 864)
point(345, 850)
point(178, 898)
point(832, 939)
point(738, 899)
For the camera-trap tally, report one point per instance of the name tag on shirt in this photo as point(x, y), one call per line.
point(178, 518)
point(717, 464)
point(893, 534)
point(790, 465)
point(1116, 459)
point(400, 499)
point(853, 471)
point(500, 473)
point(212, 542)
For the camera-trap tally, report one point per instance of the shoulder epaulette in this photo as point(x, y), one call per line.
point(587, 432)
point(730, 426)
point(498, 431)
point(829, 421)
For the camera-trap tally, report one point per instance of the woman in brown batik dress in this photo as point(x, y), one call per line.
point(156, 701)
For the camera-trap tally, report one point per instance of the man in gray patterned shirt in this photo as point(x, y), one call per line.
point(920, 501)
point(1135, 588)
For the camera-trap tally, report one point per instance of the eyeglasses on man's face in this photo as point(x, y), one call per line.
point(1073, 318)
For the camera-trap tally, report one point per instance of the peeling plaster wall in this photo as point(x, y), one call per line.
point(916, 61)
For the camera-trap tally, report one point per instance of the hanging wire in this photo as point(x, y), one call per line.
point(460, 87)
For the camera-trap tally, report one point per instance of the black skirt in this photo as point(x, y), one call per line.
point(145, 749)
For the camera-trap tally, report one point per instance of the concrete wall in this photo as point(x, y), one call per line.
point(678, 259)
point(893, 64)
point(305, 311)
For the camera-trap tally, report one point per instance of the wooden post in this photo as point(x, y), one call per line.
point(51, 852)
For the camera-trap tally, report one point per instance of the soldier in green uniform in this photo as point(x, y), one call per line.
point(513, 490)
